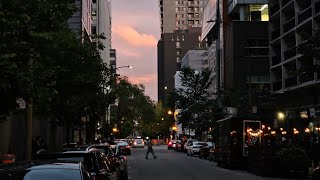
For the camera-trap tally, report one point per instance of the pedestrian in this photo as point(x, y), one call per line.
point(150, 149)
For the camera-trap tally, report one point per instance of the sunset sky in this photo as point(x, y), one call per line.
point(135, 33)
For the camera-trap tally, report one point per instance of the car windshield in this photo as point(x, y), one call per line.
point(52, 174)
point(139, 141)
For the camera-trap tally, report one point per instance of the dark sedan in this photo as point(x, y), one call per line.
point(48, 170)
point(206, 150)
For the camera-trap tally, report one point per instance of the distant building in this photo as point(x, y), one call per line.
point(181, 23)
point(193, 59)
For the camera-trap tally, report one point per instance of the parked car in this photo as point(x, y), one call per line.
point(316, 173)
point(124, 148)
point(172, 144)
point(138, 143)
point(205, 150)
point(116, 160)
point(194, 148)
point(48, 170)
point(178, 145)
point(188, 144)
point(98, 166)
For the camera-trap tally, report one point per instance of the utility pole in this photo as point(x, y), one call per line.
point(218, 49)
point(29, 102)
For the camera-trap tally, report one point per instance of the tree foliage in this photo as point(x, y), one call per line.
point(194, 99)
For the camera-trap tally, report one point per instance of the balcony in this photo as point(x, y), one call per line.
point(273, 9)
point(292, 81)
point(275, 60)
point(277, 85)
point(290, 53)
point(289, 25)
point(306, 77)
point(275, 34)
point(304, 15)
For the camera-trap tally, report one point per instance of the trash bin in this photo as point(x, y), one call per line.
point(8, 158)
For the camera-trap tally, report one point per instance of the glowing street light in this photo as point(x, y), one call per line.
point(170, 112)
point(115, 129)
point(281, 115)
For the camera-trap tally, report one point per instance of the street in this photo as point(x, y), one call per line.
point(171, 165)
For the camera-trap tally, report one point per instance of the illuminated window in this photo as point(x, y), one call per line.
point(259, 12)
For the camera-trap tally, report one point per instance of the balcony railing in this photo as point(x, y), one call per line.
point(306, 77)
point(289, 25)
point(284, 2)
point(275, 60)
point(275, 34)
point(273, 9)
point(292, 81)
point(277, 85)
point(317, 7)
point(290, 53)
point(304, 15)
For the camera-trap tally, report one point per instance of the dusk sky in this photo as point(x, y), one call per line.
point(135, 33)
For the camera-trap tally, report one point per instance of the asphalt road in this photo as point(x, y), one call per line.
point(171, 165)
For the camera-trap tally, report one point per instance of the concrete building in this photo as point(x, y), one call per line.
point(292, 22)
point(181, 22)
point(101, 24)
point(171, 49)
point(193, 59)
point(241, 44)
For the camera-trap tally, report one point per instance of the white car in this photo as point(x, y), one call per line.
point(195, 147)
point(187, 145)
point(138, 143)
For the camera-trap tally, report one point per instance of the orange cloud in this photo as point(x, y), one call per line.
point(143, 79)
point(133, 37)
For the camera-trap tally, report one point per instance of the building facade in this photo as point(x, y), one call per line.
point(181, 22)
point(237, 55)
point(101, 24)
point(193, 59)
point(81, 21)
point(293, 22)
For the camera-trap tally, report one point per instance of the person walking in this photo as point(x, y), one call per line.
point(150, 149)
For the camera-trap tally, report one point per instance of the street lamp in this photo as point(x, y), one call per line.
point(170, 112)
point(281, 115)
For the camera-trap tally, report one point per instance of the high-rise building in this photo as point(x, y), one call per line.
point(237, 46)
point(81, 21)
point(293, 22)
point(181, 22)
point(101, 24)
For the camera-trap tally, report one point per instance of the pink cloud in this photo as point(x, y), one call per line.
point(133, 37)
point(129, 53)
point(143, 79)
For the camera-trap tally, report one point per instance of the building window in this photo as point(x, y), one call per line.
point(94, 30)
point(201, 2)
point(178, 52)
point(184, 9)
point(196, 9)
point(177, 22)
point(177, 38)
point(182, 37)
point(172, 38)
point(182, 22)
point(183, 15)
point(177, 2)
point(182, 2)
point(178, 59)
point(94, 14)
point(177, 9)
point(196, 15)
point(196, 23)
point(178, 45)
point(177, 16)
point(201, 9)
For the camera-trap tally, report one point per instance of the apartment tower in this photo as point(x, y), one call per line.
point(181, 22)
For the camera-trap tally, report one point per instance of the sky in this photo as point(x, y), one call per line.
point(135, 33)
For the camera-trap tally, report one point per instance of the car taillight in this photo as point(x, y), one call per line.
point(170, 143)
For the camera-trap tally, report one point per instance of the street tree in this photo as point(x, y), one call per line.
point(194, 99)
